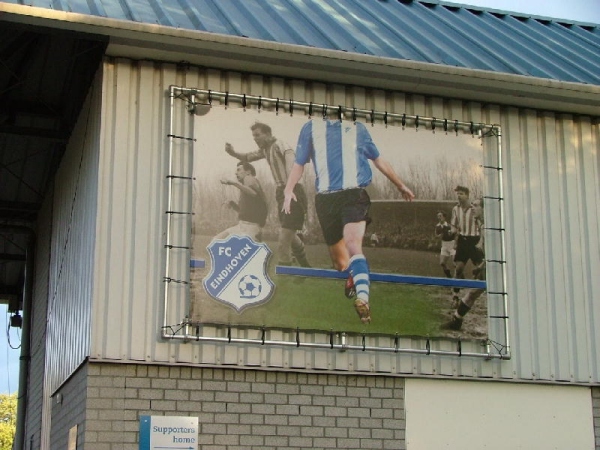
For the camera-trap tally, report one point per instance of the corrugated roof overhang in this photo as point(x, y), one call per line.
point(155, 42)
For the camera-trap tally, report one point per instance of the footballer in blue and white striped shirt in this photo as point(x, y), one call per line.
point(340, 153)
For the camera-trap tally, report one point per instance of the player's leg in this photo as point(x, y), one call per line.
point(284, 246)
point(355, 216)
point(339, 255)
point(359, 268)
point(444, 260)
point(446, 256)
point(358, 272)
point(340, 259)
point(295, 220)
point(289, 243)
point(460, 269)
point(329, 209)
point(460, 260)
point(463, 307)
point(459, 273)
point(299, 251)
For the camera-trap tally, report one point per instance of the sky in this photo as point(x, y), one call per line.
point(9, 357)
point(574, 10)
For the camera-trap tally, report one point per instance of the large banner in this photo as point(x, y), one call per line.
point(418, 267)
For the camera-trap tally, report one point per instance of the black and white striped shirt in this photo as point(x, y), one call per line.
point(463, 219)
point(275, 155)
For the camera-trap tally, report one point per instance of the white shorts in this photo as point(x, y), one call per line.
point(447, 249)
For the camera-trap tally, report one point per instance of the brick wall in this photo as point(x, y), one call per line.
point(68, 410)
point(246, 409)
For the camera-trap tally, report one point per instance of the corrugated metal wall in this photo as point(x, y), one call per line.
point(551, 185)
point(554, 205)
point(73, 229)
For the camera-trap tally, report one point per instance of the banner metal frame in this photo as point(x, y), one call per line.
point(198, 102)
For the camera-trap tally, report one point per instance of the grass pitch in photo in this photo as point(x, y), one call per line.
point(320, 304)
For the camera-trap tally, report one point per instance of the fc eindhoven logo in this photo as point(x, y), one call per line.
point(239, 276)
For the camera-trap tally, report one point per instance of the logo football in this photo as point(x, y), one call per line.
point(249, 286)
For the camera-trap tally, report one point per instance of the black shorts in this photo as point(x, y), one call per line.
point(466, 249)
point(336, 209)
point(295, 219)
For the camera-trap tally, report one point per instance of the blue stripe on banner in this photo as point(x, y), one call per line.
point(144, 433)
point(382, 277)
point(197, 263)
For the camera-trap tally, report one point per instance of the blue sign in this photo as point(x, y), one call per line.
point(168, 433)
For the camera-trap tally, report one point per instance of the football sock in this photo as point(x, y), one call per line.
point(299, 252)
point(359, 269)
point(459, 276)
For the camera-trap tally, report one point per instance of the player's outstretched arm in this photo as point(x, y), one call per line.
point(249, 186)
point(386, 168)
point(231, 152)
point(244, 157)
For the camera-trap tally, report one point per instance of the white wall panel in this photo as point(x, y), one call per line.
point(552, 203)
point(499, 416)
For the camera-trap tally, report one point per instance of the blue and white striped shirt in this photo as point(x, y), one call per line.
point(340, 152)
